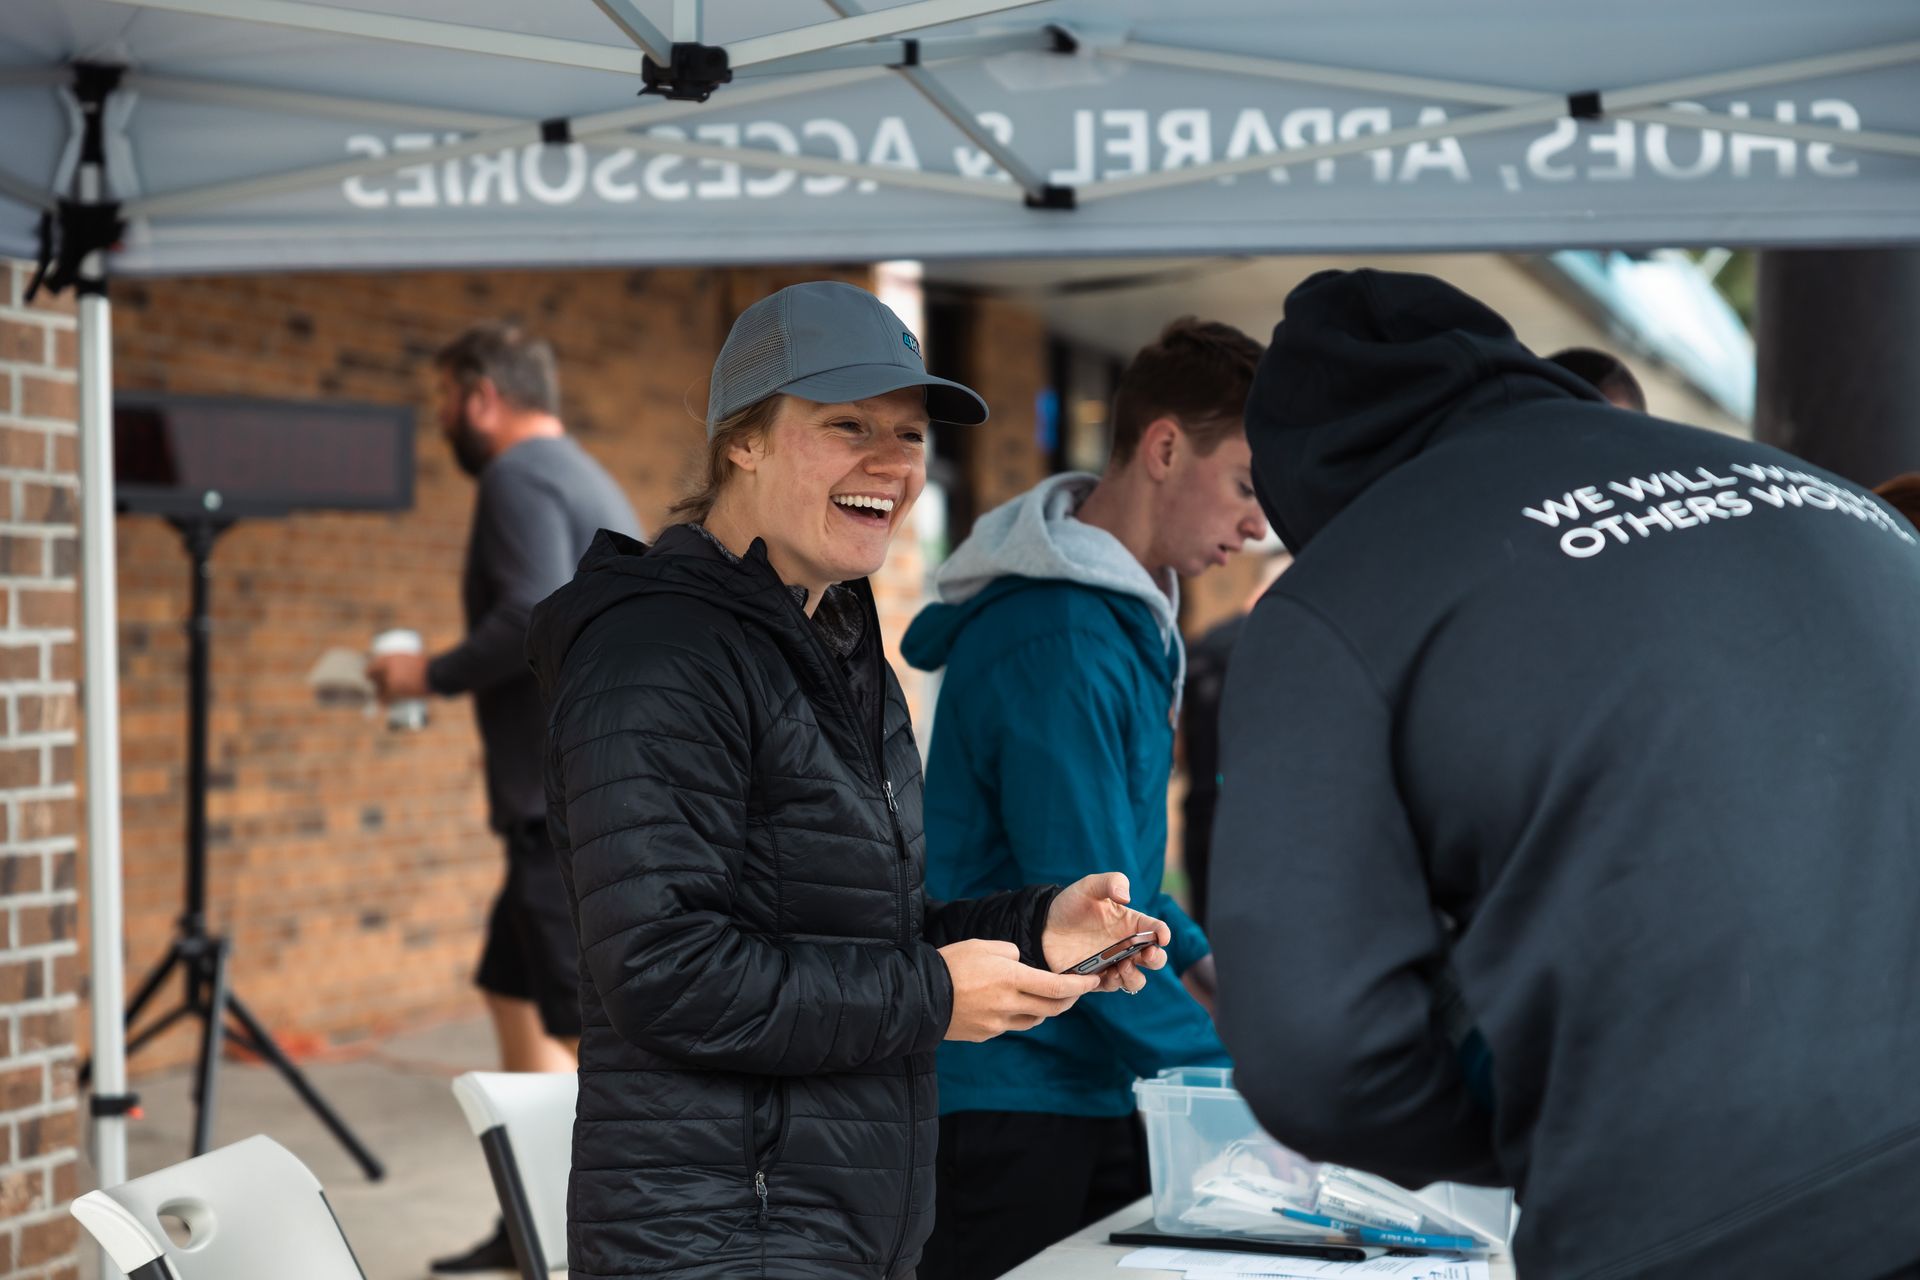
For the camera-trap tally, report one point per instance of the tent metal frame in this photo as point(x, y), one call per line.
point(647, 39)
point(850, 48)
point(1507, 108)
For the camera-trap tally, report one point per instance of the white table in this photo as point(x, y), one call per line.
point(1086, 1255)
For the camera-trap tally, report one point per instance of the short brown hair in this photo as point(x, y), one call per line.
point(1605, 373)
point(520, 366)
point(1902, 493)
point(716, 469)
point(1197, 372)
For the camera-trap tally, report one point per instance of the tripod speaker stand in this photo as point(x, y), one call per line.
point(202, 958)
point(203, 464)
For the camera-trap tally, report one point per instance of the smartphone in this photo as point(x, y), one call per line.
point(1125, 949)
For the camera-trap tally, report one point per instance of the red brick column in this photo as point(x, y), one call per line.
point(39, 960)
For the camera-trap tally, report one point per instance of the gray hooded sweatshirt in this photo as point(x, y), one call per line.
point(1036, 536)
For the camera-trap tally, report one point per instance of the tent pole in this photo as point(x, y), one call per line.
point(26, 193)
point(370, 25)
point(687, 26)
point(877, 53)
point(885, 175)
point(1493, 96)
point(302, 16)
point(896, 52)
point(949, 105)
point(1539, 111)
point(1700, 86)
point(910, 16)
point(1879, 141)
point(583, 128)
point(1627, 102)
point(340, 107)
point(634, 25)
point(99, 631)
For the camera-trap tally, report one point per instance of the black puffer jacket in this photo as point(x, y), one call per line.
point(737, 807)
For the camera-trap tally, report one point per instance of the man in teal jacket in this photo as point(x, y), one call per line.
point(1057, 623)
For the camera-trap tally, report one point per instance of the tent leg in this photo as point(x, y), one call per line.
point(1840, 395)
point(99, 632)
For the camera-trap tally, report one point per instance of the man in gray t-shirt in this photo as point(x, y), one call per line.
point(541, 499)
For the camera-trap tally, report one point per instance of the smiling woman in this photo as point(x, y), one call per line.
point(735, 795)
point(824, 485)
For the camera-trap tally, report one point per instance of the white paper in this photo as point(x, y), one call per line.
point(1427, 1268)
point(1209, 1264)
point(340, 677)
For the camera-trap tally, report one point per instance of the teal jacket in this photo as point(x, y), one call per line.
point(1052, 743)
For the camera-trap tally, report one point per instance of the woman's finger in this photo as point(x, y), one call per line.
point(1111, 886)
point(1151, 958)
point(1042, 1007)
point(1054, 986)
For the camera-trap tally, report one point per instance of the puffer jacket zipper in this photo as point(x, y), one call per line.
point(900, 897)
point(761, 1159)
point(876, 763)
point(906, 1064)
point(761, 1164)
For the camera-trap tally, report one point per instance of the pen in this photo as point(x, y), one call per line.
point(1377, 1235)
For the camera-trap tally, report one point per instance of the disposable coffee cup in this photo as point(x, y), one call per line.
point(409, 714)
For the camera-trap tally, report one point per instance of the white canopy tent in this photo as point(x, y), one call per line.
point(248, 134)
point(168, 136)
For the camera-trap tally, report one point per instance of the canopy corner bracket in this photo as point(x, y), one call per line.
point(692, 74)
point(76, 229)
point(1052, 196)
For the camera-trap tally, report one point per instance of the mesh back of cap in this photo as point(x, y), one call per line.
point(754, 362)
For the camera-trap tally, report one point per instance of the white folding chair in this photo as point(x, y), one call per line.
point(250, 1210)
point(524, 1122)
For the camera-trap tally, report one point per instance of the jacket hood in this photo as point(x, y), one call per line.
point(681, 561)
point(1366, 371)
point(1032, 540)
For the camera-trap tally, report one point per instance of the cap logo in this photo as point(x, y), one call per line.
point(913, 343)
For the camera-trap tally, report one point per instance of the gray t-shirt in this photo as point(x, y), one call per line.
point(539, 505)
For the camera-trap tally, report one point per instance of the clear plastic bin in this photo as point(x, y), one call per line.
point(1200, 1132)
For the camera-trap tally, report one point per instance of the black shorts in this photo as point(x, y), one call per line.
point(531, 952)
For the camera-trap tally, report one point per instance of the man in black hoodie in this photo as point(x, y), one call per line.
point(1616, 718)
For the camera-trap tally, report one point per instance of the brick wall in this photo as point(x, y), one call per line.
point(1008, 365)
point(353, 867)
point(39, 963)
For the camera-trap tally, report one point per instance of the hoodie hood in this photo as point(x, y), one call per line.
point(682, 561)
point(1366, 371)
point(1036, 539)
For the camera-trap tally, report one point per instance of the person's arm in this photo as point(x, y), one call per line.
point(1191, 953)
point(1018, 916)
point(1323, 927)
point(1189, 946)
point(651, 767)
point(524, 543)
point(1052, 724)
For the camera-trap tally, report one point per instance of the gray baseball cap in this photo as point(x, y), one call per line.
point(829, 342)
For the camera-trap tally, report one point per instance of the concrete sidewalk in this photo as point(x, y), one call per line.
point(436, 1198)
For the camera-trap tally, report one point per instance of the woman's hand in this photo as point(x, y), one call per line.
point(1092, 913)
point(993, 992)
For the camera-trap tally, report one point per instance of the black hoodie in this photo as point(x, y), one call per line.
point(736, 803)
point(1621, 719)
